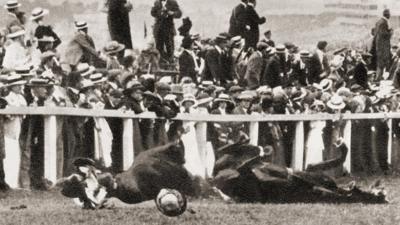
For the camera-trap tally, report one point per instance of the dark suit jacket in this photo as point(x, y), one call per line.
point(316, 68)
point(254, 21)
point(217, 67)
point(382, 43)
point(42, 30)
point(299, 74)
point(187, 66)
point(118, 22)
point(254, 70)
point(164, 23)
point(238, 21)
point(361, 75)
point(272, 72)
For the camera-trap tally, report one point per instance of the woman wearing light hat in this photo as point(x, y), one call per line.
point(16, 52)
point(12, 128)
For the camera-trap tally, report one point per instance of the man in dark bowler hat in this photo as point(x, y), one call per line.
point(383, 34)
point(238, 23)
point(216, 69)
point(164, 12)
point(118, 21)
point(319, 65)
point(254, 21)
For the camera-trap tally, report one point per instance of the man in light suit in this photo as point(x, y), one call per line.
point(164, 12)
point(81, 49)
point(256, 66)
point(383, 34)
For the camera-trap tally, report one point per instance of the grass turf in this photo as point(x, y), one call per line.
point(52, 208)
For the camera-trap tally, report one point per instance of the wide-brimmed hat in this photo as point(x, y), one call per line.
point(203, 98)
point(15, 79)
point(24, 71)
point(224, 98)
point(234, 89)
point(113, 47)
point(85, 69)
point(132, 86)
point(336, 102)
point(161, 86)
point(38, 13)
point(280, 48)
point(79, 25)
point(245, 96)
point(299, 95)
point(46, 55)
point(16, 31)
point(98, 78)
point(12, 4)
point(189, 98)
point(264, 90)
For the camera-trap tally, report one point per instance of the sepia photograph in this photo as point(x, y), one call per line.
point(192, 112)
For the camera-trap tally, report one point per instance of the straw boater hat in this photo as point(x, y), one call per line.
point(38, 13)
point(85, 69)
point(245, 96)
point(336, 102)
point(40, 82)
point(79, 25)
point(113, 47)
point(326, 84)
point(16, 31)
point(12, 4)
point(97, 78)
point(46, 55)
point(48, 39)
point(189, 98)
point(15, 79)
point(24, 71)
point(85, 84)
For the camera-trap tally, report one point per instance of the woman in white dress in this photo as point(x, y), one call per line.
point(314, 141)
point(192, 156)
point(12, 130)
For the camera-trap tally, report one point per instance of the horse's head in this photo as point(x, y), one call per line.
point(89, 187)
point(375, 195)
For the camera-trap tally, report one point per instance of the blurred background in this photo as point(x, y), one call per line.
point(343, 23)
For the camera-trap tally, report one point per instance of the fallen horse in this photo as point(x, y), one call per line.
point(155, 172)
point(243, 174)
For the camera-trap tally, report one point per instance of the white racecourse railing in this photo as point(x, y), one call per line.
point(50, 115)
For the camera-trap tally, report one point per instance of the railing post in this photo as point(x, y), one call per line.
point(347, 141)
point(201, 136)
point(298, 147)
point(254, 129)
point(390, 141)
point(127, 144)
point(50, 148)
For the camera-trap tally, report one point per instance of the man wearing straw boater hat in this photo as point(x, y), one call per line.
point(81, 48)
point(14, 16)
point(16, 52)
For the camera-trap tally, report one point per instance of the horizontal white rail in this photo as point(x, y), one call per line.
point(64, 111)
